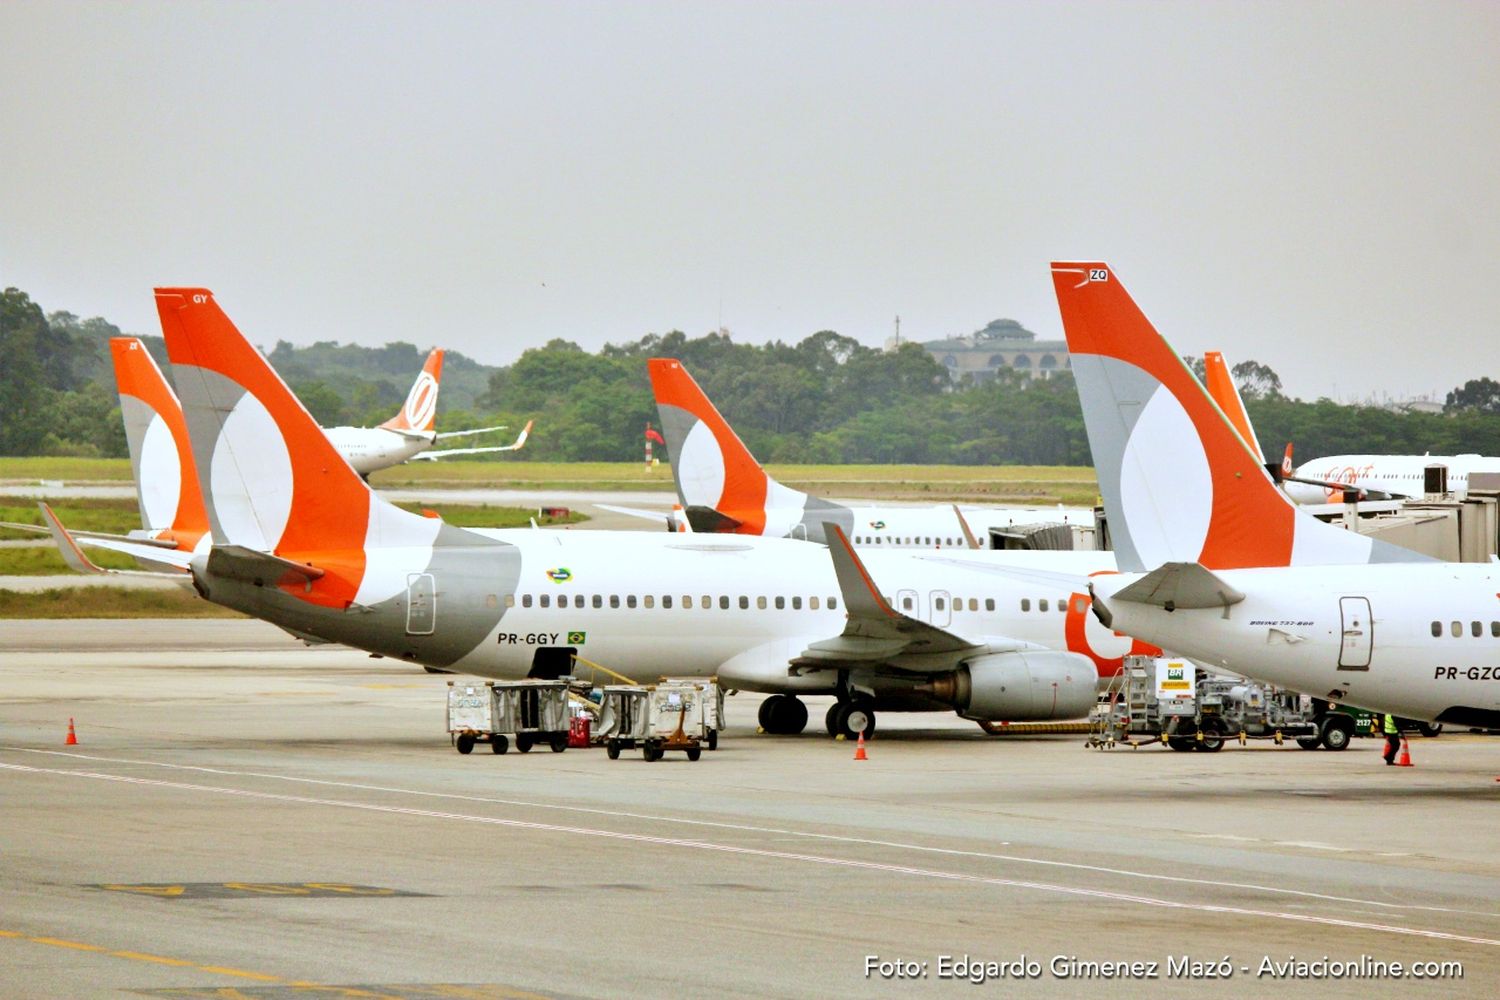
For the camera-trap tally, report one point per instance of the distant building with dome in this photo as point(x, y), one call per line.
point(1003, 343)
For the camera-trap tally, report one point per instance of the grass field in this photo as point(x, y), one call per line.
point(993, 484)
point(108, 602)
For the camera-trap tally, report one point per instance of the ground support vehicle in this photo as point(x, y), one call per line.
point(624, 717)
point(1168, 700)
point(704, 701)
point(527, 713)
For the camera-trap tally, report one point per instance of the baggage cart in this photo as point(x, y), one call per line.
point(704, 700)
point(668, 728)
point(624, 713)
point(527, 713)
point(472, 717)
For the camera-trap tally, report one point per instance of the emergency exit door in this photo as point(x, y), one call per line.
point(1358, 633)
point(421, 604)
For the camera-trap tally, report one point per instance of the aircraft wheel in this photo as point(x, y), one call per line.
point(831, 720)
point(1430, 728)
point(855, 718)
point(783, 715)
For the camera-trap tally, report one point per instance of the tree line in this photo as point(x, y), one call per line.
point(825, 399)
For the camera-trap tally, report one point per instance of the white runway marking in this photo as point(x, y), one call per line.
point(771, 830)
point(700, 845)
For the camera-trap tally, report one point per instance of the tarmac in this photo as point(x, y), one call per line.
point(246, 816)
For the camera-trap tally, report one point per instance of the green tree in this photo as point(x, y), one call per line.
point(1478, 395)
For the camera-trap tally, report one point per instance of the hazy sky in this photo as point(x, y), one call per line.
point(1313, 185)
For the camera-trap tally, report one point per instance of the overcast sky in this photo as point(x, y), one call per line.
point(1313, 185)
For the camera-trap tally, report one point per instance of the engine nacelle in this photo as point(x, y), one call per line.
point(1020, 687)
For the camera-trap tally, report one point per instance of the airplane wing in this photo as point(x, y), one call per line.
point(477, 430)
point(963, 523)
point(517, 445)
point(876, 633)
point(74, 555)
point(645, 515)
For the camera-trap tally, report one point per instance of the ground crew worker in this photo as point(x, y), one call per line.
point(1392, 739)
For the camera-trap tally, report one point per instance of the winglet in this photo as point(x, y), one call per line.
point(862, 598)
point(71, 553)
point(963, 523)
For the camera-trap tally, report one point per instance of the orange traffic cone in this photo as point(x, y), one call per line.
point(1405, 759)
point(859, 748)
point(72, 740)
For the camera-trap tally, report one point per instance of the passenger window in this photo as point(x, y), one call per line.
point(744, 603)
point(1476, 629)
point(938, 604)
point(546, 600)
point(1458, 629)
point(1437, 629)
point(649, 600)
point(1495, 629)
point(510, 600)
point(760, 602)
point(1080, 605)
point(1062, 605)
point(833, 605)
point(812, 602)
point(525, 600)
point(1041, 604)
point(973, 604)
point(989, 604)
point(723, 602)
point(796, 604)
point(598, 600)
point(780, 603)
point(906, 603)
point(614, 600)
point(708, 602)
point(1025, 604)
point(630, 600)
point(687, 601)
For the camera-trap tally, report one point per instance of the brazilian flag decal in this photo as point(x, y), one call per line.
point(577, 638)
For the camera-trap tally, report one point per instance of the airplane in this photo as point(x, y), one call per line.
point(298, 539)
point(1219, 565)
point(722, 488)
point(1324, 480)
point(412, 432)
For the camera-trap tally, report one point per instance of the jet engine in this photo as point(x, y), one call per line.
point(1019, 687)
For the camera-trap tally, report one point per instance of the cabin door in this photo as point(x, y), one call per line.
point(421, 604)
point(1358, 633)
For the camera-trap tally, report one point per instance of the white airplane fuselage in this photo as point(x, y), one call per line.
point(369, 449)
point(1414, 640)
point(1402, 475)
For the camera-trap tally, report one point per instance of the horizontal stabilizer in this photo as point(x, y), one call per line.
point(1180, 585)
point(89, 536)
point(74, 556)
point(709, 521)
point(236, 562)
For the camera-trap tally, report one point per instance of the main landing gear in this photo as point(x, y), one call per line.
point(849, 719)
point(783, 715)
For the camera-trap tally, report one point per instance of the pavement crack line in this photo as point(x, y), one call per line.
point(747, 828)
point(753, 852)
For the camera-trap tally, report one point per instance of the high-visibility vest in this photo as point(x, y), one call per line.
point(1390, 724)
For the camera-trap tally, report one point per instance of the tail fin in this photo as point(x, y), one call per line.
point(271, 480)
point(166, 478)
point(710, 463)
point(1221, 387)
point(1287, 468)
point(419, 412)
point(1178, 481)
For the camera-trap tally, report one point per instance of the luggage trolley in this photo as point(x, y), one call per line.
point(668, 726)
point(528, 712)
point(705, 707)
point(624, 714)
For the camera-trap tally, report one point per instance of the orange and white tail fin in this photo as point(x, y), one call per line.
point(711, 465)
point(166, 478)
point(1179, 483)
point(1287, 468)
point(419, 412)
point(1221, 387)
point(271, 480)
